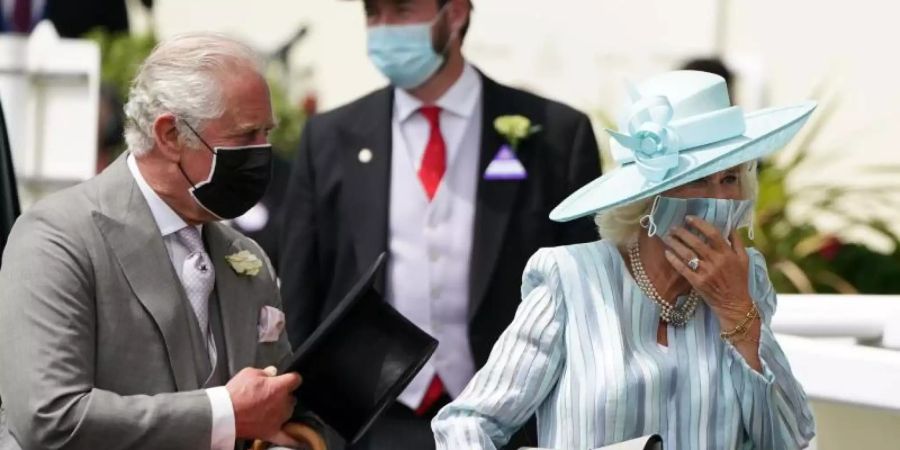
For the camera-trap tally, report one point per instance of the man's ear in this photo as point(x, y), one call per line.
point(458, 12)
point(166, 136)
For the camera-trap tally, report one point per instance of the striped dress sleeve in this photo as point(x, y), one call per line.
point(523, 367)
point(775, 412)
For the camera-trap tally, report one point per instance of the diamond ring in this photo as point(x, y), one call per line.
point(694, 263)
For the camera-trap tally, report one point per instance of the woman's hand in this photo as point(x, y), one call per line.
point(722, 278)
point(722, 274)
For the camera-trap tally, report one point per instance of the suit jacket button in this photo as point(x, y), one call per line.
point(365, 156)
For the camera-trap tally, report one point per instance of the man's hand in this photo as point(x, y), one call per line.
point(262, 401)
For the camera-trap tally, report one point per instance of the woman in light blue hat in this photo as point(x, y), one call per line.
point(661, 327)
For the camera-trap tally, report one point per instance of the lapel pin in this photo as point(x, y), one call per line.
point(365, 156)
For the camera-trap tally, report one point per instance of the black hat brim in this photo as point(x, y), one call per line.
point(359, 359)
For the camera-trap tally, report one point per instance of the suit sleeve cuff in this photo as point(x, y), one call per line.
point(223, 430)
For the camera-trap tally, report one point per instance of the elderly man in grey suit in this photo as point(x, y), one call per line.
point(129, 318)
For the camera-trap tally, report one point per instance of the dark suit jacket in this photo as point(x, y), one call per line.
point(75, 18)
point(336, 208)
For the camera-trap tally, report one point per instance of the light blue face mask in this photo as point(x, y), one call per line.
point(405, 53)
point(724, 214)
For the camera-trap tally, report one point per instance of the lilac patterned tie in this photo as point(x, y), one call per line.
point(198, 277)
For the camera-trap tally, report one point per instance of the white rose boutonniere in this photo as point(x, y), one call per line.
point(515, 129)
point(245, 263)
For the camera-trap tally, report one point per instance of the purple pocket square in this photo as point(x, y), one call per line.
point(505, 166)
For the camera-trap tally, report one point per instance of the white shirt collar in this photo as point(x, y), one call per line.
point(166, 219)
point(460, 99)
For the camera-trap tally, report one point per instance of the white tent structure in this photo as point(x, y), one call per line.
point(50, 89)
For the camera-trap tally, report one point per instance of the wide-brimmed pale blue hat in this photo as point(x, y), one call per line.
point(680, 127)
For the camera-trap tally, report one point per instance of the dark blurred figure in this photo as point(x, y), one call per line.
point(20, 16)
point(713, 65)
point(72, 18)
point(110, 126)
point(718, 67)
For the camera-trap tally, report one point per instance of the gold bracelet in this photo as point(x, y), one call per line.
point(742, 328)
point(747, 336)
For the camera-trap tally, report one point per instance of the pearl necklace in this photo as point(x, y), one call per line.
point(675, 315)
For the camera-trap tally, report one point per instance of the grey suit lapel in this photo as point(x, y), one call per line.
point(237, 299)
point(126, 223)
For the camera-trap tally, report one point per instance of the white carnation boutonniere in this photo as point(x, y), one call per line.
point(245, 263)
point(505, 165)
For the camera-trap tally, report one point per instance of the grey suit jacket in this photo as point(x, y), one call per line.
point(95, 327)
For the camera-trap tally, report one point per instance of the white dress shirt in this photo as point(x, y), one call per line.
point(430, 243)
point(168, 222)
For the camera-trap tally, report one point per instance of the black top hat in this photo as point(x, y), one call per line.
point(654, 443)
point(359, 360)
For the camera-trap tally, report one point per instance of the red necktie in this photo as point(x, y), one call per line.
point(432, 395)
point(434, 161)
point(434, 164)
point(21, 17)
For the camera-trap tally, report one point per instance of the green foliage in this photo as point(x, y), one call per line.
point(121, 54)
point(801, 257)
point(870, 272)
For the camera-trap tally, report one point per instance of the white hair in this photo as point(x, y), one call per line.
point(621, 224)
point(183, 76)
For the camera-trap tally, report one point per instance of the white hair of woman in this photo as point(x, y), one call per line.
point(183, 76)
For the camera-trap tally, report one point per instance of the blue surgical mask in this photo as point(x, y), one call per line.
point(404, 53)
point(724, 214)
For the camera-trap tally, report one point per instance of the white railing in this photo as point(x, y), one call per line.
point(843, 348)
point(867, 318)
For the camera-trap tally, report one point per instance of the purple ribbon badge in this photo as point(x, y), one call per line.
point(505, 166)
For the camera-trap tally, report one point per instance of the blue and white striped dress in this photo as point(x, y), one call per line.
point(582, 351)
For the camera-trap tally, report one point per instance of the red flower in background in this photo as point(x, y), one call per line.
point(310, 104)
point(830, 248)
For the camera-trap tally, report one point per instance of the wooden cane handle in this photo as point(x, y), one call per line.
point(302, 433)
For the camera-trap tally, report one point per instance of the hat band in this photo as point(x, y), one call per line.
point(654, 140)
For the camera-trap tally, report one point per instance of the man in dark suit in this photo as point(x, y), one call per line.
point(71, 19)
point(419, 169)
